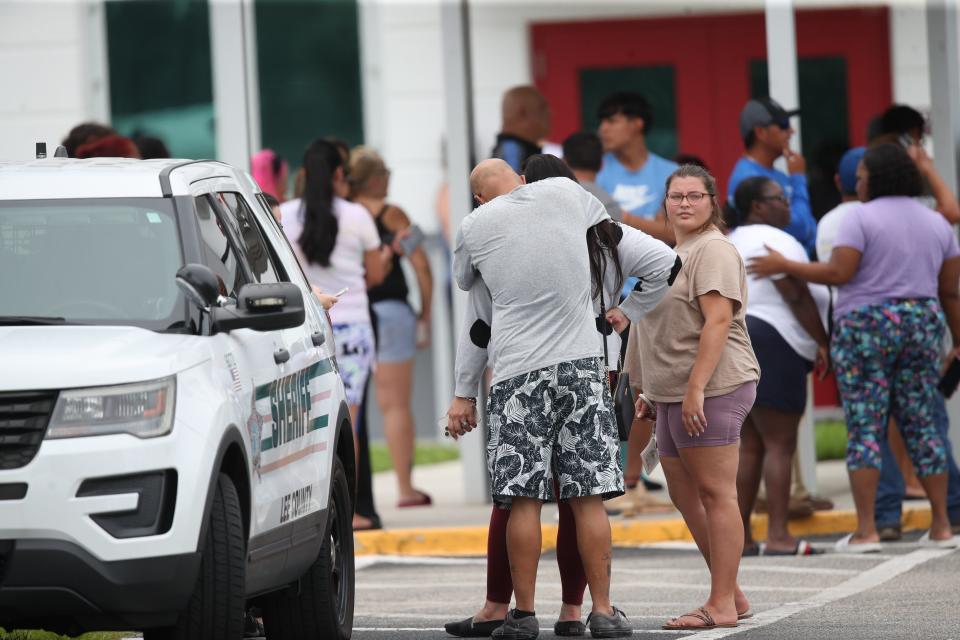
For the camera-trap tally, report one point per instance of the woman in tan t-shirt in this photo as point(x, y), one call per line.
point(691, 356)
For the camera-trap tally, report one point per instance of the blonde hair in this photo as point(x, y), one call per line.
point(365, 163)
point(709, 183)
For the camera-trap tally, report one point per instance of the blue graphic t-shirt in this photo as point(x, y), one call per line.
point(802, 225)
point(639, 192)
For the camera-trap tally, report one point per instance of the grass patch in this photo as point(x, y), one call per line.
point(424, 453)
point(831, 438)
point(46, 635)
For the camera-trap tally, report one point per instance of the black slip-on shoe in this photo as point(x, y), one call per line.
point(569, 628)
point(470, 629)
point(609, 626)
point(512, 628)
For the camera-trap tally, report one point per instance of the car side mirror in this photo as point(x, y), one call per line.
point(261, 307)
point(199, 285)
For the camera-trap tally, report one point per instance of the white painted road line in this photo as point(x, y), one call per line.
point(408, 629)
point(813, 571)
point(651, 584)
point(365, 562)
point(445, 616)
point(863, 582)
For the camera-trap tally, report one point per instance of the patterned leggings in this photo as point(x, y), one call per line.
point(886, 358)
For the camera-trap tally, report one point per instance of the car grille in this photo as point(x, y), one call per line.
point(24, 416)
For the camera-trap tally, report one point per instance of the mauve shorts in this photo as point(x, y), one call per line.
point(725, 415)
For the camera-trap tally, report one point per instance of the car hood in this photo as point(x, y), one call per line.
point(63, 357)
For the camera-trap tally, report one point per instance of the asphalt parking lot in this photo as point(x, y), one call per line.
point(905, 592)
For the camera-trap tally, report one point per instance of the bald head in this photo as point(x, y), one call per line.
point(525, 113)
point(492, 178)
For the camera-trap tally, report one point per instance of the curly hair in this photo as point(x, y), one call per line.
point(891, 172)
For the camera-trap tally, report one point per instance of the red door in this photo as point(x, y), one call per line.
point(711, 59)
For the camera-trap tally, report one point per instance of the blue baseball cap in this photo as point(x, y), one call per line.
point(848, 169)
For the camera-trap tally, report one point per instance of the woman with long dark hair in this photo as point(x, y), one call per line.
point(896, 265)
point(339, 247)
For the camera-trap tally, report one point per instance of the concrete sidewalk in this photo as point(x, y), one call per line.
point(450, 527)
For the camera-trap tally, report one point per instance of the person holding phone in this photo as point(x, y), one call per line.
point(399, 330)
point(788, 337)
point(337, 245)
point(896, 264)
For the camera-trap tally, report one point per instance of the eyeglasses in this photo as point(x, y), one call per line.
point(693, 197)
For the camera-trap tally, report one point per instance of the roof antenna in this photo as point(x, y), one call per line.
point(61, 152)
point(41, 150)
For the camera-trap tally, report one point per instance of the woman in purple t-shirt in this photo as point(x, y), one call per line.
point(897, 266)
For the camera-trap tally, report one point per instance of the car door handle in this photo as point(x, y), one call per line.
point(318, 338)
point(280, 356)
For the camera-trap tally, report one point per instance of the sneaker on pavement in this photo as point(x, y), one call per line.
point(512, 628)
point(615, 625)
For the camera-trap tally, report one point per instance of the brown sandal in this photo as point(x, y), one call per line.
point(700, 614)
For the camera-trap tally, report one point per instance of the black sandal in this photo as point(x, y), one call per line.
point(569, 628)
point(470, 629)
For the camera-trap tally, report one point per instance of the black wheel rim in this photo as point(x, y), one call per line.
point(340, 575)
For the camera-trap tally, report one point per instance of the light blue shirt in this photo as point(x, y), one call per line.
point(639, 192)
point(802, 225)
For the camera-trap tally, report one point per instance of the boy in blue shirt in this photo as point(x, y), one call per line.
point(766, 131)
point(631, 173)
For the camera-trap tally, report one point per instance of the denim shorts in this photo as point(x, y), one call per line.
point(396, 331)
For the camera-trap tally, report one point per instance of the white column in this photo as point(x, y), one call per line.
point(784, 88)
point(944, 56)
point(782, 59)
point(236, 93)
point(458, 95)
point(97, 87)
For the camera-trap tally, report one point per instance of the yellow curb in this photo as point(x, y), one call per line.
point(472, 541)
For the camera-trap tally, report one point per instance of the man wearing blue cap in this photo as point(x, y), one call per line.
point(766, 132)
point(846, 181)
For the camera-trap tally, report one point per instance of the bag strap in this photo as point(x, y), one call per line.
point(603, 329)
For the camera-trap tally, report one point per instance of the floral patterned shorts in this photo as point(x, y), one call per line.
point(557, 420)
point(356, 351)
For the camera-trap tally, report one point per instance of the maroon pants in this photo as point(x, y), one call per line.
point(573, 580)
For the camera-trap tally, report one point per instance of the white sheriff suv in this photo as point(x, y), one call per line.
point(174, 442)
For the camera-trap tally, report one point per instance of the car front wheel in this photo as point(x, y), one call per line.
point(215, 610)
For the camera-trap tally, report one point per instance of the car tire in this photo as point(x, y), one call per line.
point(322, 607)
point(216, 608)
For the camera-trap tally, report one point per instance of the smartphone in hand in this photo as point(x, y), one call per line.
point(412, 240)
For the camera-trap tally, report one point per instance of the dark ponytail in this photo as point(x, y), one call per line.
point(320, 226)
point(602, 238)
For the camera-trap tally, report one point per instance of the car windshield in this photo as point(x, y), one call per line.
point(90, 261)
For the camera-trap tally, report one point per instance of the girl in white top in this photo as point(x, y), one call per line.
point(340, 251)
point(785, 322)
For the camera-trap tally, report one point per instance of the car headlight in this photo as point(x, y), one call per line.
point(144, 410)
